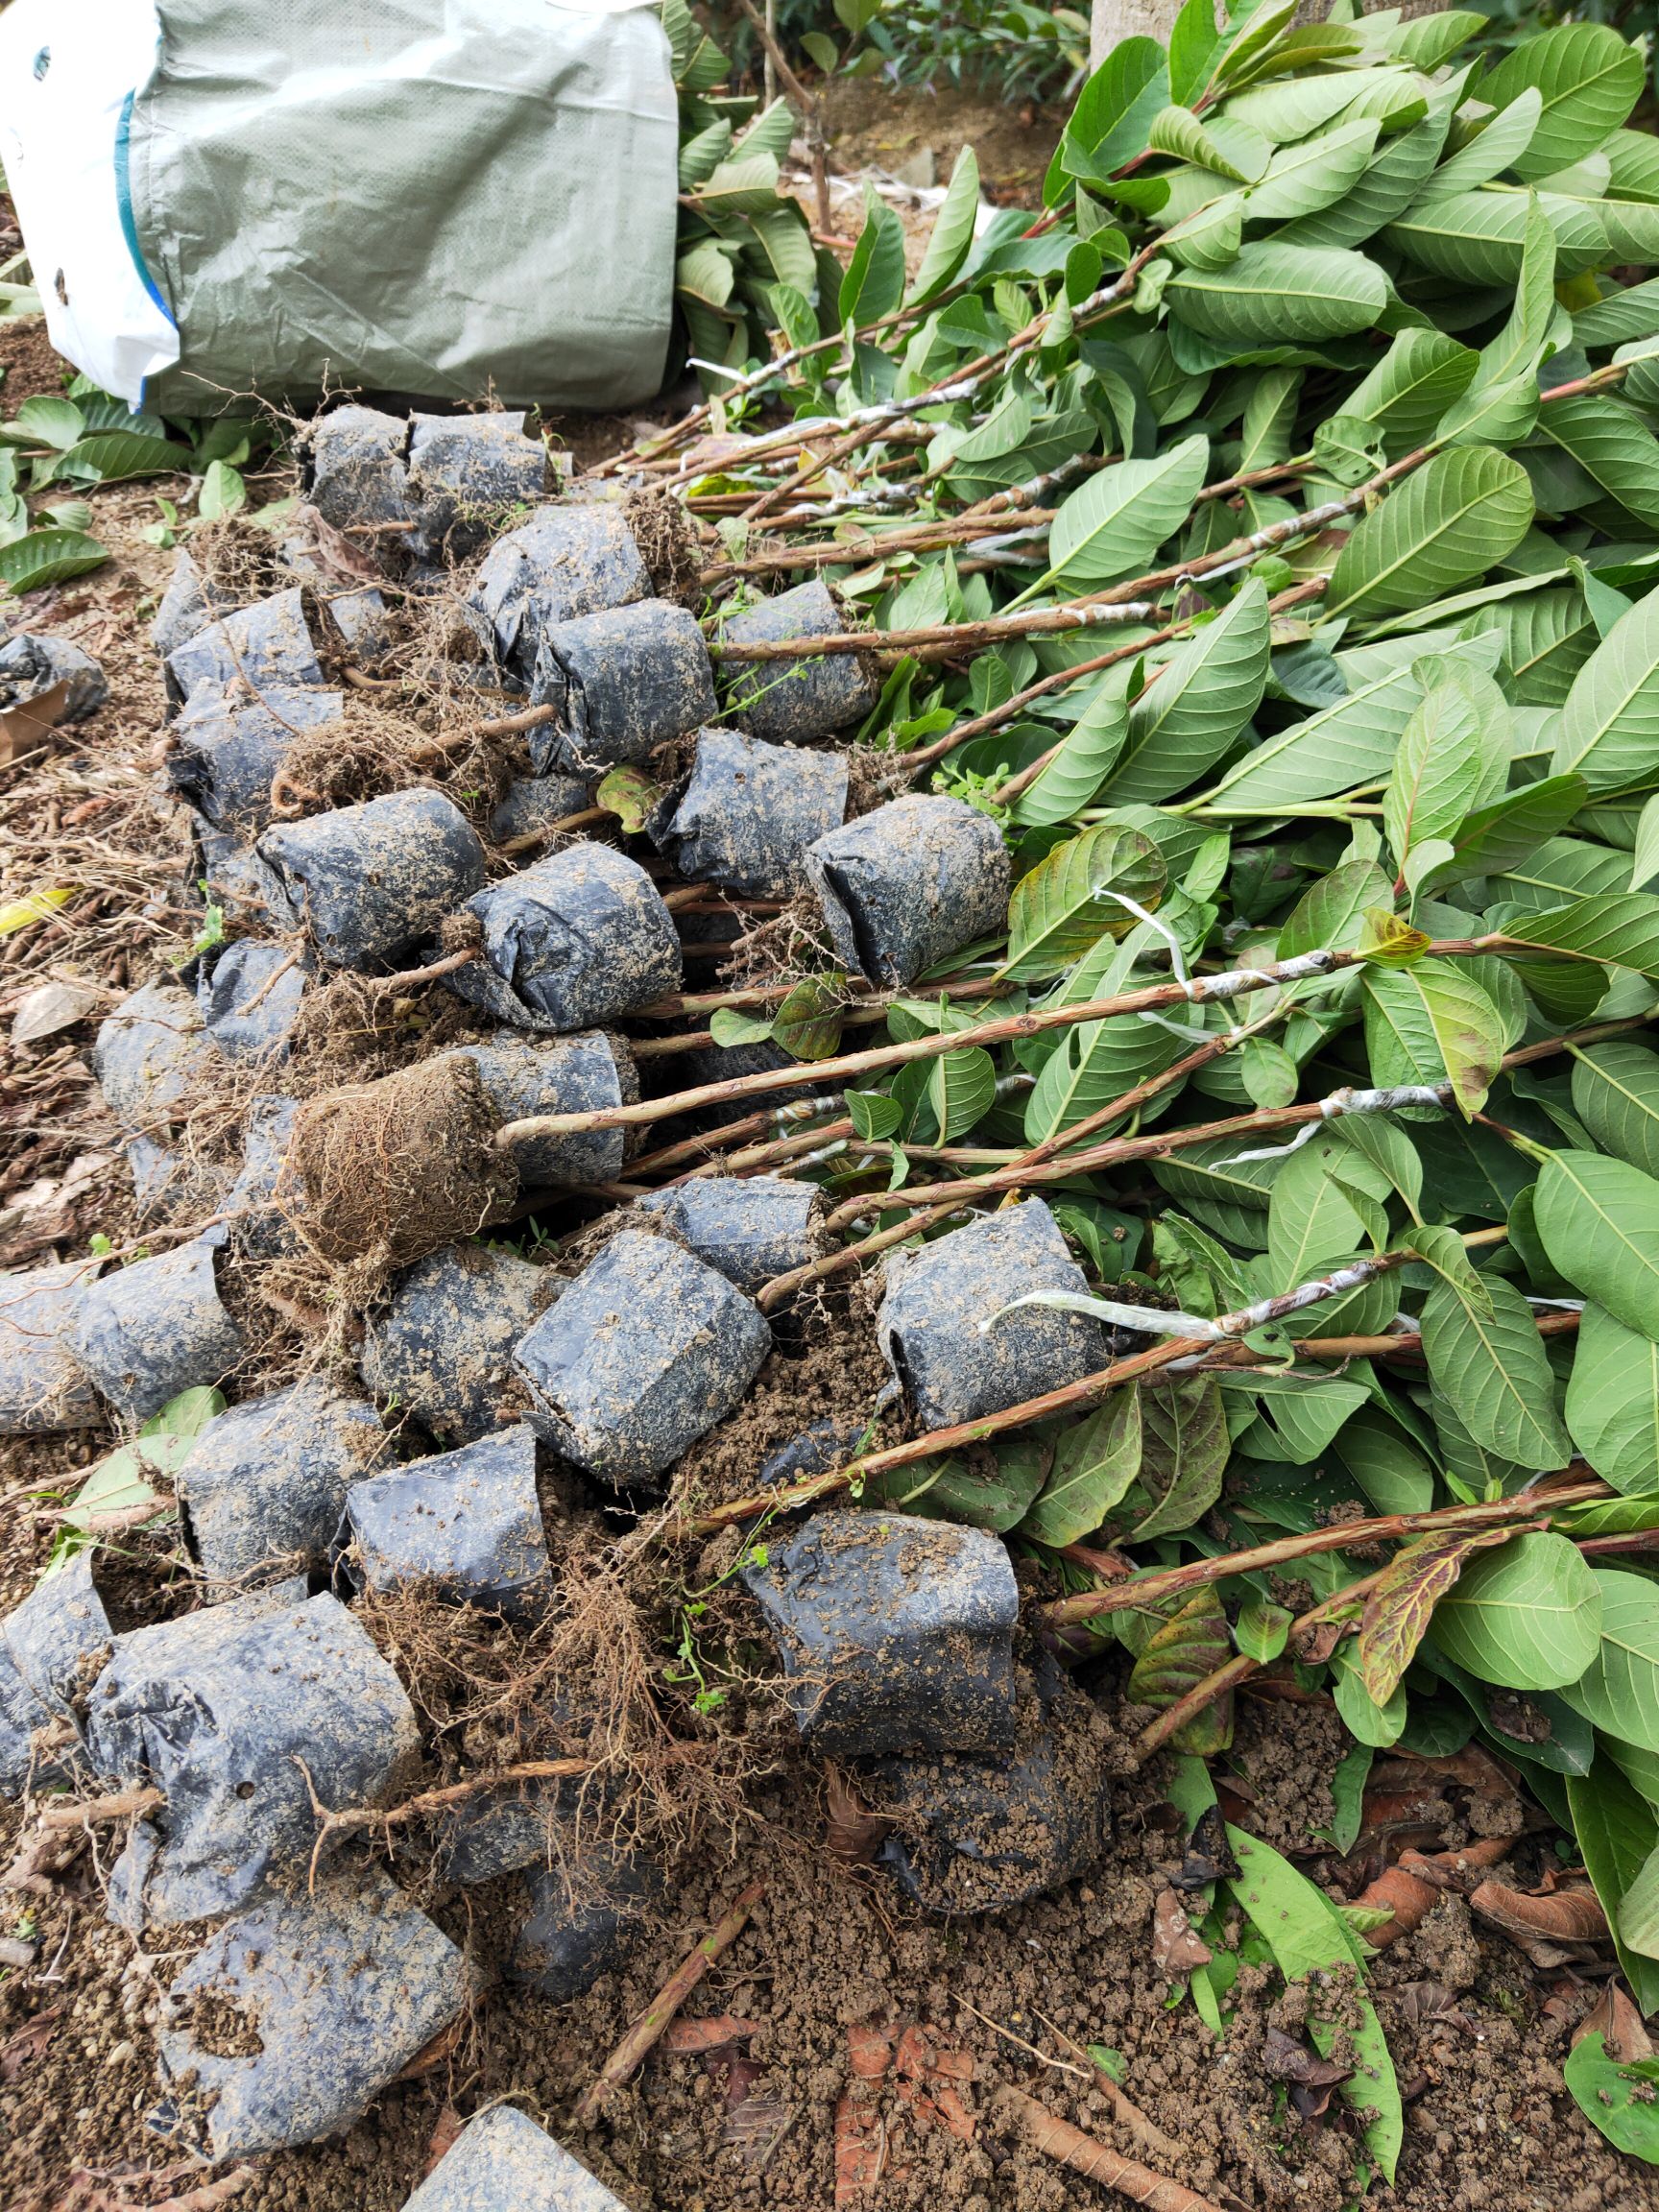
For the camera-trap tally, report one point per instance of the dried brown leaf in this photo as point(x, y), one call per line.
point(20, 2050)
point(1616, 2020)
point(1432, 2004)
point(1176, 1946)
point(756, 2126)
point(1570, 1914)
point(1288, 2060)
point(444, 2132)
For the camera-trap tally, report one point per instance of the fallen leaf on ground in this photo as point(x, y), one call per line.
point(1616, 2020)
point(23, 726)
point(852, 1832)
point(1432, 2004)
point(1410, 1897)
point(1176, 1947)
point(21, 2048)
point(51, 1007)
point(445, 2132)
point(1289, 2060)
point(1550, 1927)
point(754, 2128)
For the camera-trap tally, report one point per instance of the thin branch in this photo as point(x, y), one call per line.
point(511, 725)
point(1159, 1144)
point(1199, 991)
point(411, 979)
point(638, 2043)
point(1220, 1337)
point(1381, 1529)
point(85, 1811)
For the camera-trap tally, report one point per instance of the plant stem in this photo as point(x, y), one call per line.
point(1209, 1352)
point(1383, 1527)
point(1200, 991)
point(640, 2038)
point(1264, 1121)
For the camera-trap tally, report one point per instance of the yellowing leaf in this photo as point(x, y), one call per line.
point(36, 907)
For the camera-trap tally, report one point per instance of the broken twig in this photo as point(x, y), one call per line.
point(639, 2039)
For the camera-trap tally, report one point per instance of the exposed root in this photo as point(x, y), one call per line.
point(238, 561)
point(667, 541)
point(396, 1169)
point(351, 1027)
point(786, 947)
point(1058, 2139)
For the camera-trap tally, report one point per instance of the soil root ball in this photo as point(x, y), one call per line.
point(562, 562)
point(266, 1482)
point(393, 1169)
point(503, 2158)
point(938, 1327)
point(751, 1229)
point(301, 2011)
point(904, 887)
point(523, 1076)
point(149, 1052)
point(226, 1711)
point(51, 679)
point(466, 1522)
point(150, 1331)
point(667, 540)
point(251, 998)
point(621, 682)
point(795, 701)
point(986, 1835)
point(42, 1644)
point(745, 816)
point(228, 748)
point(566, 1942)
point(897, 1634)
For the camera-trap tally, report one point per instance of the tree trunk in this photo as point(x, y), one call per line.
point(1112, 21)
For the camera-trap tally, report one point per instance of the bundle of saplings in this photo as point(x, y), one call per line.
point(1264, 539)
point(1111, 789)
